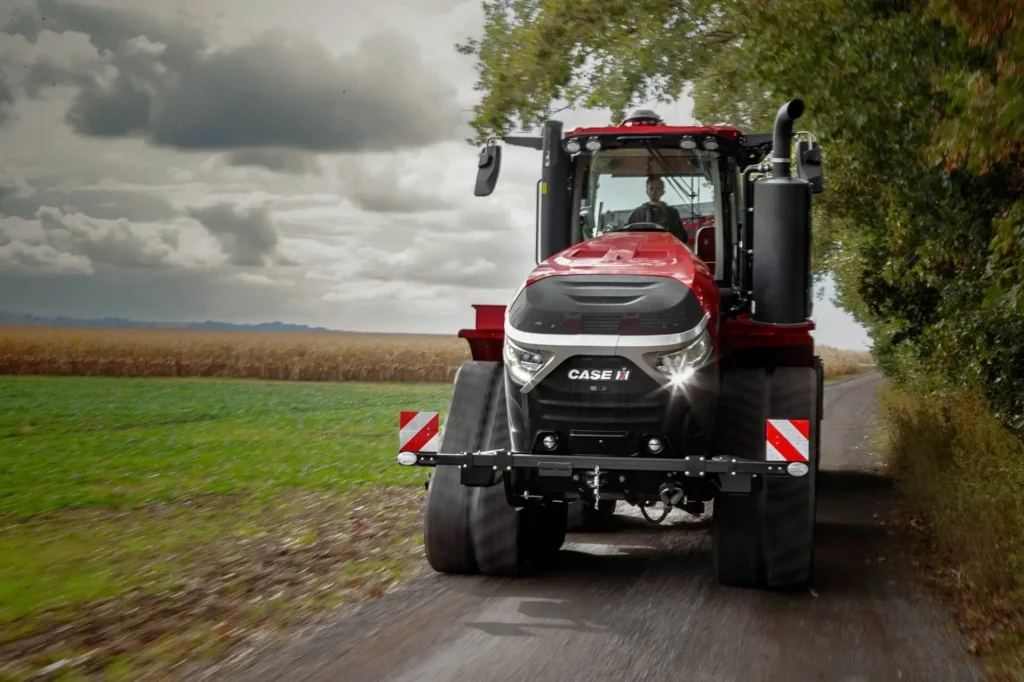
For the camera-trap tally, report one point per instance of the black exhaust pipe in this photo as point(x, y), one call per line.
point(782, 139)
point(781, 278)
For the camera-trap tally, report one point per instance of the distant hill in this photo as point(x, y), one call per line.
point(61, 321)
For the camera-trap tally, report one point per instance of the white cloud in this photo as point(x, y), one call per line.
point(19, 257)
point(256, 278)
point(73, 240)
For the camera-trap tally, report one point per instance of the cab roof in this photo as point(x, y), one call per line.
point(728, 132)
point(645, 122)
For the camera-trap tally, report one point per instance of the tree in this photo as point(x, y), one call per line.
point(917, 106)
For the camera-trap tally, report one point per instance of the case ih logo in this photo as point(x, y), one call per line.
point(599, 374)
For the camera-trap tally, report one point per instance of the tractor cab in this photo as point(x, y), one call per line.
point(646, 176)
point(643, 175)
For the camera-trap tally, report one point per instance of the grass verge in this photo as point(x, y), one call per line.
point(962, 475)
point(150, 524)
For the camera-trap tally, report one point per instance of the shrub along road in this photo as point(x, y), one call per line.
point(641, 603)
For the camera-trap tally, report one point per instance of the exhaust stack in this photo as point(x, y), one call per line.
point(782, 137)
point(781, 282)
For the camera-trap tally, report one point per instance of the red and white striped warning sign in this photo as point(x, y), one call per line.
point(417, 431)
point(788, 440)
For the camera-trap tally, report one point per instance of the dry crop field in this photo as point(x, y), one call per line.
point(292, 356)
point(840, 362)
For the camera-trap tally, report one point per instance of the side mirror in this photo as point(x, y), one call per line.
point(808, 165)
point(489, 165)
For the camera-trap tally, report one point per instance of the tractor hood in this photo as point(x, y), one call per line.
point(631, 283)
point(626, 253)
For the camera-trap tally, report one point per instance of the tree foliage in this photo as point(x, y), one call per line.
point(918, 105)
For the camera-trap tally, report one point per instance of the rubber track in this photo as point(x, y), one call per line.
point(767, 539)
point(474, 529)
point(788, 504)
point(446, 524)
point(735, 532)
point(497, 528)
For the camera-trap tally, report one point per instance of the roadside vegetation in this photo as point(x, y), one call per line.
point(919, 109)
point(154, 524)
point(962, 474)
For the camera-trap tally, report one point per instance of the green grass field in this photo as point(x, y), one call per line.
point(207, 505)
point(144, 522)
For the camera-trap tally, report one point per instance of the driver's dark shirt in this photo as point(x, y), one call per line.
point(663, 214)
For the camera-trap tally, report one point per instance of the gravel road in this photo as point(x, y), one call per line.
point(641, 604)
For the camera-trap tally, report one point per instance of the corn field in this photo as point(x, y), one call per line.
point(290, 356)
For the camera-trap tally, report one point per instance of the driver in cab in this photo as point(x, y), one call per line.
point(657, 211)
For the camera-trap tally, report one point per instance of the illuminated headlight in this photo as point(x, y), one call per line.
point(681, 365)
point(522, 364)
point(572, 146)
point(593, 144)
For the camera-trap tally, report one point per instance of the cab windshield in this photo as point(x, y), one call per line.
point(672, 190)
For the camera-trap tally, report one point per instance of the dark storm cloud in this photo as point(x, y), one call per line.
point(107, 28)
point(279, 160)
point(248, 237)
point(387, 199)
point(149, 295)
point(120, 111)
point(274, 91)
point(6, 100)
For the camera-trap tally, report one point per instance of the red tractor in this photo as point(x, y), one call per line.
point(630, 366)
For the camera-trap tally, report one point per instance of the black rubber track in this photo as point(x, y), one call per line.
point(736, 543)
point(788, 505)
point(446, 539)
point(507, 541)
point(767, 539)
point(474, 529)
point(446, 520)
point(446, 523)
point(497, 528)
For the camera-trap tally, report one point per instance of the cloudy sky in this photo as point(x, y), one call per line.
point(255, 160)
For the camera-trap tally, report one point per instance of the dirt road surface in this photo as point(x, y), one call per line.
point(641, 603)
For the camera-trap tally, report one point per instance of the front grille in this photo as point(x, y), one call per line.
point(561, 403)
point(600, 323)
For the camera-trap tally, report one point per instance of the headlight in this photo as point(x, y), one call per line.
point(681, 364)
point(522, 364)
